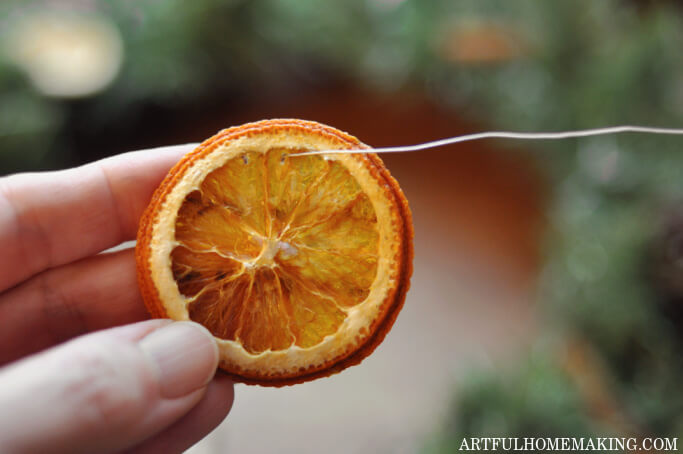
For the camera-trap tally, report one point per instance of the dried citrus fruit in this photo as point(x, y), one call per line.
point(298, 265)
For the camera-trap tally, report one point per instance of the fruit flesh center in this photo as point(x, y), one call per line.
point(271, 246)
point(273, 251)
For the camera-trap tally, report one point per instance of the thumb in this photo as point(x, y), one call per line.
point(105, 391)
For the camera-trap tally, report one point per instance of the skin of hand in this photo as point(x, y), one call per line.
point(81, 367)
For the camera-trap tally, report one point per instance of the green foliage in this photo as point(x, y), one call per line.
point(599, 65)
point(536, 401)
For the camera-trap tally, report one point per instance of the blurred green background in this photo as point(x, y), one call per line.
point(81, 80)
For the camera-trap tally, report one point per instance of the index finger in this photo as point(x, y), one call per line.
point(51, 218)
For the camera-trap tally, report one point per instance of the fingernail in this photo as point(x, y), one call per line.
point(185, 355)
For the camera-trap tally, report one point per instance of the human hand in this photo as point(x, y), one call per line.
point(146, 387)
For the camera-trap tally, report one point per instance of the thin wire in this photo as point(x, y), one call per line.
point(503, 135)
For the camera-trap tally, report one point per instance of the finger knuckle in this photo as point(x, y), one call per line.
point(106, 392)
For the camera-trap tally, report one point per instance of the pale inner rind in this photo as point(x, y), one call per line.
point(359, 317)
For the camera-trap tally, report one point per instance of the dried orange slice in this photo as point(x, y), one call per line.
point(298, 265)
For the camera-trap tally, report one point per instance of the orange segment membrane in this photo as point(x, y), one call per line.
point(272, 251)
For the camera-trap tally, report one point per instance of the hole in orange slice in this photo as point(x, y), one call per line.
point(297, 264)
